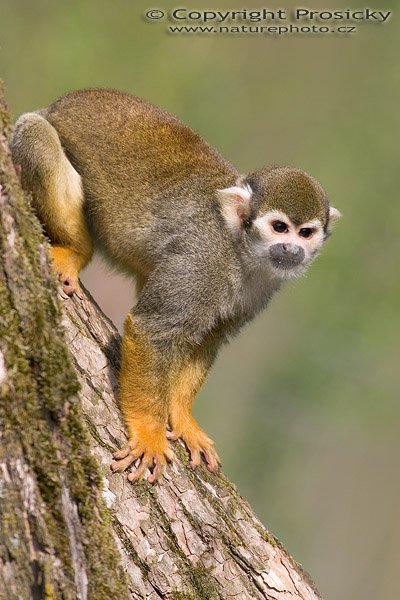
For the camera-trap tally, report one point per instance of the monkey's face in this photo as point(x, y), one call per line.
point(288, 247)
point(281, 216)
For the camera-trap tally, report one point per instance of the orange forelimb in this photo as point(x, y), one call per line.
point(184, 385)
point(143, 407)
point(149, 395)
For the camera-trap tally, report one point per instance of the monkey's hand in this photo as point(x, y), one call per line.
point(197, 442)
point(149, 444)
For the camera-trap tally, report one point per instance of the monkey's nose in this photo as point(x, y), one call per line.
point(293, 249)
point(287, 254)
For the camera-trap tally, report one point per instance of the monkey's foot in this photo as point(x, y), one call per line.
point(66, 263)
point(150, 446)
point(197, 442)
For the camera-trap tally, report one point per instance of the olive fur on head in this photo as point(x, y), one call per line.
point(291, 191)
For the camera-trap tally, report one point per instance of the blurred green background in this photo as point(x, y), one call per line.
point(304, 404)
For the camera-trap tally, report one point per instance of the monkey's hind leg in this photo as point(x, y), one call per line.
point(57, 195)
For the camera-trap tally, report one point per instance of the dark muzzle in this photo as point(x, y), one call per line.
point(286, 255)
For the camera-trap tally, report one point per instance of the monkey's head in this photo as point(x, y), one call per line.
point(281, 216)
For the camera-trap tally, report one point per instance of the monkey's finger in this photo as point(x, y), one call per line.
point(195, 458)
point(145, 464)
point(173, 435)
point(212, 451)
point(212, 459)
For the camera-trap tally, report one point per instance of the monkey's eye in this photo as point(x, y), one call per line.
point(279, 227)
point(306, 232)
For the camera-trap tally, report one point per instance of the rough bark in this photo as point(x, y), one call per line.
point(189, 537)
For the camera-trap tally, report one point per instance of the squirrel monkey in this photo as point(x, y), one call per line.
point(208, 246)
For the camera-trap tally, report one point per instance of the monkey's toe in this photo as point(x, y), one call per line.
point(67, 263)
point(70, 284)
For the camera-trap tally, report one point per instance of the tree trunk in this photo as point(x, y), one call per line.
point(69, 528)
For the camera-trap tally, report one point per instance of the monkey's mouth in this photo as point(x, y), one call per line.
point(285, 263)
point(285, 257)
point(285, 269)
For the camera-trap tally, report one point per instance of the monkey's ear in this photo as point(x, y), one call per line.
point(334, 216)
point(235, 204)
